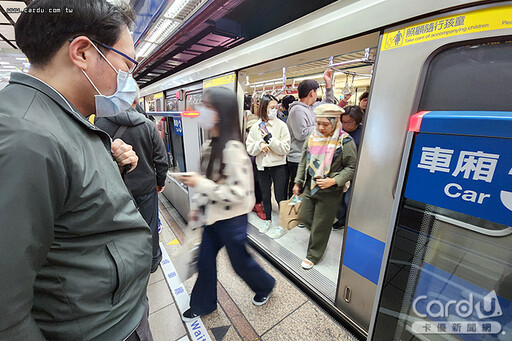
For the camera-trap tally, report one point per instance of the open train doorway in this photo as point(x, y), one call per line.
point(353, 65)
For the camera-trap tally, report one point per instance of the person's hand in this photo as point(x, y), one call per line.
point(190, 180)
point(325, 183)
point(297, 189)
point(160, 189)
point(328, 77)
point(264, 147)
point(347, 97)
point(124, 154)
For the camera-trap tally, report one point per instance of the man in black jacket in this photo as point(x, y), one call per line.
point(147, 180)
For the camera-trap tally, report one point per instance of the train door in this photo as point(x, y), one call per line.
point(353, 61)
point(446, 260)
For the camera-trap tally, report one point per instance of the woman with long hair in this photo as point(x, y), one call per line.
point(224, 194)
point(269, 142)
point(328, 161)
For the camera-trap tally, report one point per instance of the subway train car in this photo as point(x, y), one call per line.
point(426, 252)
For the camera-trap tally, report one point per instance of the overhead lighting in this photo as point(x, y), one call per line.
point(161, 31)
point(3, 63)
point(9, 66)
point(21, 58)
point(175, 8)
point(145, 49)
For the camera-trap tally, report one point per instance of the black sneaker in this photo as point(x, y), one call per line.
point(337, 227)
point(260, 300)
point(189, 316)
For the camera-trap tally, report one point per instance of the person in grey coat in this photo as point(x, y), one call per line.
point(301, 120)
point(75, 253)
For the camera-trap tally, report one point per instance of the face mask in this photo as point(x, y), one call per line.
point(121, 100)
point(207, 118)
point(272, 113)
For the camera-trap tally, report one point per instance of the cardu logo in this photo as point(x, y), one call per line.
point(445, 314)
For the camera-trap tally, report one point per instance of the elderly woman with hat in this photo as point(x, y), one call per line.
point(328, 161)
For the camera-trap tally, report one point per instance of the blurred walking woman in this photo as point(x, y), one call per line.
point(328, 161)
point(223, 197)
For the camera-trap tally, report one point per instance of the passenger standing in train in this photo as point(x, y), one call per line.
point(301, 119)
point(250, 120)
point(224, 196)
point(75, 253)
point(269, 142)
point(148, 179)
point(351, 122)
point(328, 161)
point(285, 105)
point(363, 101)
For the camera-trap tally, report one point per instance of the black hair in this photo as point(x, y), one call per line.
point(306, 86)
point(225, 104)
point(247, 102)
point(354, 112)
point(363, 96)
point(40, 32)
point(262, 112)
point(287, 100)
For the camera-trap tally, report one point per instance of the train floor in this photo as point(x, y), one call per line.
point(288, 315)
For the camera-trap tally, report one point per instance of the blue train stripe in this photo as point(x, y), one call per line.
point(363, 254)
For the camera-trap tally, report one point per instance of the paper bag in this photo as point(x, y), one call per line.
point(289, 212)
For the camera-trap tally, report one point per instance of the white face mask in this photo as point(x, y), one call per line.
point(272, 113)
point(121, 100)
point(207, 118)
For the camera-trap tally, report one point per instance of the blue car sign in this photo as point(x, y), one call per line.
point(467, 174)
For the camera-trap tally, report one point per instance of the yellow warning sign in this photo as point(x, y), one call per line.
point(477, 21)
point(159, 95)
point(228, 79)
point(174, 242)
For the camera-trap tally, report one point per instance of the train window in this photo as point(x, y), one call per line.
point(192, 102)
point(175, 136)
point(469, 77)
point(449, 273)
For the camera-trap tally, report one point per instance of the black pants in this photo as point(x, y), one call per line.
point(231, 233)
point(148, 208)
point(257, 190)
point(277, 175)
point(292, 173)
point(342, 210)
point(142, 332)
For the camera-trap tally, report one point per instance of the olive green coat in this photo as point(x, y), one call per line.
point(75, 254)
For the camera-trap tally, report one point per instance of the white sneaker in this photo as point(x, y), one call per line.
point(307, 264)
point(278, 232)
point(266, 226)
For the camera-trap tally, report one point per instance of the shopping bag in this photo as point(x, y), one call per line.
point(185, 260)
point(289, 212)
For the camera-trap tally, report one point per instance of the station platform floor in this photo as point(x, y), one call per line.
point(288, 315)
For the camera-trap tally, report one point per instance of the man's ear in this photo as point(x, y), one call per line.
point(81, 52)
